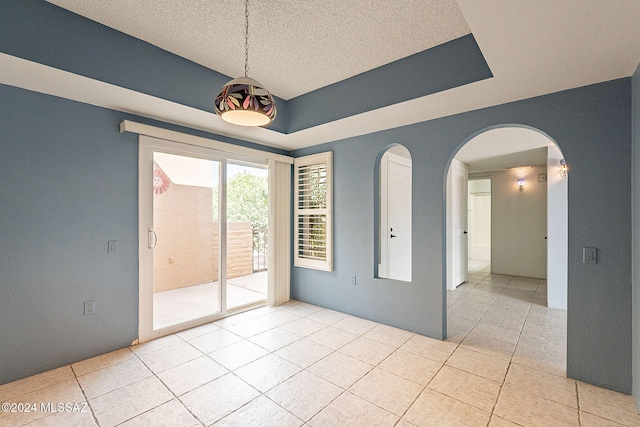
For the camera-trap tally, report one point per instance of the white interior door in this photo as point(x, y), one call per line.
point(459, 222)
point(399, 217)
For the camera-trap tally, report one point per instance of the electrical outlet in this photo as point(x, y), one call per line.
point(112, 247)
point(353, 279)
point(89, 308)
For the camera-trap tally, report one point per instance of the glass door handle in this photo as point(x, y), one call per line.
point(153, 239)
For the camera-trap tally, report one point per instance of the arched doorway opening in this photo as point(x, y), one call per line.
point(513, 300)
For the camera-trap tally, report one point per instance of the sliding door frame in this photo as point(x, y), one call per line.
point(147, 146)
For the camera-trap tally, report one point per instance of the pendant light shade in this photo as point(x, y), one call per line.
point(245, 102)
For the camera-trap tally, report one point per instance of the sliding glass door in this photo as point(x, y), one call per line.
point(202, 236)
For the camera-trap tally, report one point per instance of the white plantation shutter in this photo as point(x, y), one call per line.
point(313, 211)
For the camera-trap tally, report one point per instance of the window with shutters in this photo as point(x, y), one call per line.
point(313, 212)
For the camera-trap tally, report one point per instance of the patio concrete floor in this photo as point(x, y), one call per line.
point(193, 302)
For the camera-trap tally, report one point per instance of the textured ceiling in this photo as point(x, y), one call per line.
point(295, 46)
point(505, 148)
point(533, 48)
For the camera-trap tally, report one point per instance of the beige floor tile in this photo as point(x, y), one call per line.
point(467, 303)
point(552, 363)
point(102, 361)
point(430, 348)
point(274, 339)
point(466, 313)
point(217, 399)
point(109, 378)
point(278, 318)
point(386, 390)
point(454, 322)
point(233, 320)
point(411, 366)
point(608, 404)
point(536, 329)
point(404, 423)
point(266, 310)
point(351, 411)
point(239, 354)
point(326, 316)
point(531, 410)
point(513, 322)
point(456, 336)
point(170, 414)
point(333, 338)
point(494, 348)
point(14, 389)
point(436, 409)
point(480, 364)
point(66, 391)
point(388, 335)
point(552, 387)
point(249, 328)
point(267, 372)
point(366, 350)
point(198, 331)
point(213, 341)
point(168, 357)
point(192, 374)
point(304, 395)
point(151, 347)
point(472, 389)
point(302, 309)
point(303, 327)
point(82, 418)
point(129, 401)
point(546, 344)
point(501, 422)
point(355, 325)
point(497, 333)
point(589, 420)
point(340, 369)
point(260, 412)
point(304, 352)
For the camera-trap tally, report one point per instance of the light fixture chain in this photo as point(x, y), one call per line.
point(246, 38)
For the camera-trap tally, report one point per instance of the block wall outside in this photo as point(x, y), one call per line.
point(187, 249)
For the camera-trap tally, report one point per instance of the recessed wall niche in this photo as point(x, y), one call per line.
point(394, 230)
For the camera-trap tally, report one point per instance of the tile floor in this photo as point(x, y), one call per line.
point(301, 365)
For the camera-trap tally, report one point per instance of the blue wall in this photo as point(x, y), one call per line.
point(592, 126)
point(635, 83)
point(68, 185)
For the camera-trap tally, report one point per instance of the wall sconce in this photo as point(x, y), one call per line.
point(521, 184)
point(563, 168)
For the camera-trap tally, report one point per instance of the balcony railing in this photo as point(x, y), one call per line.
point(260, 241)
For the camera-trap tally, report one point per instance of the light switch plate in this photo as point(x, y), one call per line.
point(590, 255)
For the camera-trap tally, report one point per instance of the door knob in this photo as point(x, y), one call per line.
point(393, 235)
point(465, 232)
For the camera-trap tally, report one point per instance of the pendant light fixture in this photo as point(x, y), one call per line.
point(243, 101)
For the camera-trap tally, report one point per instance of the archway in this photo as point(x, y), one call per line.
point(529, 237)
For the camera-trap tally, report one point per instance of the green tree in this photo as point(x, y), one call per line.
point(247, 200)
